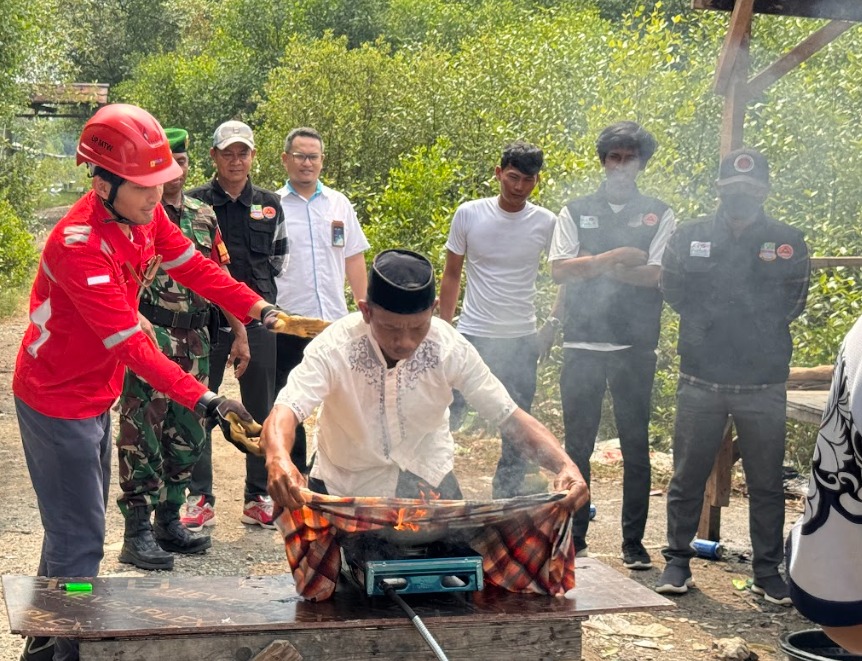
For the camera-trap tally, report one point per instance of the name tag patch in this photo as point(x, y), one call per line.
point(700, 248)
point(589, 222)
point(767, 252)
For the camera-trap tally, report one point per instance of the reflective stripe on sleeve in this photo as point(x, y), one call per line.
point(48, 272)
point(40, 317)
point(182, 259)
point(76, 234)
point(116, 338)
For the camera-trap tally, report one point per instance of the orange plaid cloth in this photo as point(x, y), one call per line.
point(525, 542)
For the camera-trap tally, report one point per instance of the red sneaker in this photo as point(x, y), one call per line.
point(258, 512)
point(198, 514)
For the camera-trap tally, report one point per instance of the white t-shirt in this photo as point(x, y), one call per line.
point(312, 284)
point(376, 421)
point(826, 581)
point(566, 245)
point(502, 252)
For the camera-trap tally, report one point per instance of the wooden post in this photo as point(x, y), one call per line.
point(717, 492)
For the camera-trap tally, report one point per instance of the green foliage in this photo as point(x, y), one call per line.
point(17, 252)
point(416, 205)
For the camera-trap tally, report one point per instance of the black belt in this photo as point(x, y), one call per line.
point(162, 317)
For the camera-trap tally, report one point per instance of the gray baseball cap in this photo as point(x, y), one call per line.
point(233, 131)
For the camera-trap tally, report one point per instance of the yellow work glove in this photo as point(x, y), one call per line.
point(242, 434)
point(279, 321)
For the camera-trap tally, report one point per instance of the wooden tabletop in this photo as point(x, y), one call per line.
point(176, 605)
point(806, 405)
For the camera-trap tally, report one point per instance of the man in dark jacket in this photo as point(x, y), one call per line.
point(252, 224)
point(737, 278)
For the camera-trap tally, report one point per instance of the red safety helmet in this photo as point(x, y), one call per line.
point(128, 142)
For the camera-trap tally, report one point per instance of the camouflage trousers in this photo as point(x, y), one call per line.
point(159, 441)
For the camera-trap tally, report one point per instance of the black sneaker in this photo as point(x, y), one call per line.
point(635, 556)
point(38, 649)
point(674, 580)
point(772, 588)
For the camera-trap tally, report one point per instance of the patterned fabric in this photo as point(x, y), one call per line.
point(825, 581)
point(526, 542)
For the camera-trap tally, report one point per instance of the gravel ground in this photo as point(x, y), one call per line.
point(716, 610)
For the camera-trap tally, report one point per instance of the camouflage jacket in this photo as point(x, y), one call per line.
point(197, 222)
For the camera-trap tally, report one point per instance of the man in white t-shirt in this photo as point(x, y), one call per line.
point(326, 246)
point(607, 251)
point(383, 378)
point(502, 239)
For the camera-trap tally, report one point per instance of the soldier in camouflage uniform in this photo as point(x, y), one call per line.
point(159, 441)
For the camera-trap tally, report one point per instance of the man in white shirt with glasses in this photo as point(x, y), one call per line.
point(326, 246)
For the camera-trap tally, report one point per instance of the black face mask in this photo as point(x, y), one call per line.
point(741, 205)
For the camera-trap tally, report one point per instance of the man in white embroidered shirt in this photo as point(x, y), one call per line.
point(384, 377)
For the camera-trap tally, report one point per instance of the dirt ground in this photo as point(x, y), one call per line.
point(716, 609)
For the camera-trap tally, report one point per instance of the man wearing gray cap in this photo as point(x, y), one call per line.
point(252, 224)
point(737, 279)
point(384, 377)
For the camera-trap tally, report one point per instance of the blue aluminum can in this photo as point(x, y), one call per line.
point(708, 549)
point(592, 511)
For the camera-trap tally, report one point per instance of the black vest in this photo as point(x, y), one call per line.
point(601, 309)
point(248, 227)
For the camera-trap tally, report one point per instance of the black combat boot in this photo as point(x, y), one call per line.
point(173, 536)
point(139, 545)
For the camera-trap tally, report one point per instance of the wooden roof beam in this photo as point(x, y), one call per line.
point(793, 58)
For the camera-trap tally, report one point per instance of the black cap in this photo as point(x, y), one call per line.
point(401, 281)
point(744, 166)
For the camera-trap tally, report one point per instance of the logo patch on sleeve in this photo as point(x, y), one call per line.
point(785, 251)
point(589, 222)
point(767, 252)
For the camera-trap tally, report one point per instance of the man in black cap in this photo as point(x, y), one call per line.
point(737, 278)
point(384, 377)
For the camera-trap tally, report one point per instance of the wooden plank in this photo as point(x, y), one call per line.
point(832, 262)
point(807, 405)
point(845, 10)
point(801, 52)
point(557, 641)
point(177, 605)
point(735, 45)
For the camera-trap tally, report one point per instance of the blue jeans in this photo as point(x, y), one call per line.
point(70, 467)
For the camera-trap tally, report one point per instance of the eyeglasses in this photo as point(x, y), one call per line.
point(302, 158)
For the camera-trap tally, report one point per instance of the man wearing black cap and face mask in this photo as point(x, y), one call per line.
point(737, 278)
point(384, 377)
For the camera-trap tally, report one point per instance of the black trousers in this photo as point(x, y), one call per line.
point(257, 390)
point(289, 355)
point(629, 373)
point(513, 361)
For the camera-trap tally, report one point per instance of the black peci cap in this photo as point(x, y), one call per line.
point(401, 281)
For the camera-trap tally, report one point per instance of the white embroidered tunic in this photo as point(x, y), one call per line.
point(376, 421)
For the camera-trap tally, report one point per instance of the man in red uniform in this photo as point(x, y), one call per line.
point(84, 331)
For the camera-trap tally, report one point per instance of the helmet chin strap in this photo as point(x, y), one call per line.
point(112, 195)
point(109, 205)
